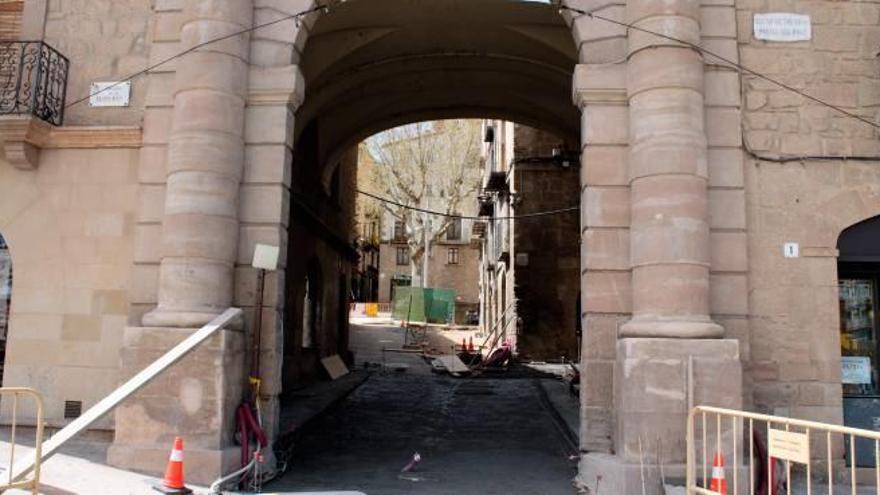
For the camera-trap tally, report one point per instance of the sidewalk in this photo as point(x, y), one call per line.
point(79, 469)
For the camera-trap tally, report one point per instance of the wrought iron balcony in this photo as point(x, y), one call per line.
point(33, 80)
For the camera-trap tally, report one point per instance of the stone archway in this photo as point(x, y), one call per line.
point(251, 113)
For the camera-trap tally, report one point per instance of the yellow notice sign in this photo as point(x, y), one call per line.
point(790, 446)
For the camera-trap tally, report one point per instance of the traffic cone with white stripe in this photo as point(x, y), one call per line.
point(173, 482)
point(718, 483)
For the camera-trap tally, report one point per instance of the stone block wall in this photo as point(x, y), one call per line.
point(105, 40)
point(794, 363)
point(70, 229)
point(546, 253)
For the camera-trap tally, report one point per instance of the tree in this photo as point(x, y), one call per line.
point(430, 165)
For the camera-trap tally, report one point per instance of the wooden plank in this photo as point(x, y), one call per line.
point(334, 366)
point(134, 384)
point(453, 364)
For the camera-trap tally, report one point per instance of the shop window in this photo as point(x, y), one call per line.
point(858, 335)
point(452, 256)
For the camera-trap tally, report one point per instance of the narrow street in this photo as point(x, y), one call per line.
point(475, 436)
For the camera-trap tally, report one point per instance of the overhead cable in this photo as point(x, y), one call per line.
point(469, 217)
point(734, 64)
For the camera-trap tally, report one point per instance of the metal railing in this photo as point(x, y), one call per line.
point(32, 479)
point(773, 455)
point(33, 80)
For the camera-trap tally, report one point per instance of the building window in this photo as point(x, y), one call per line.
point(453, 232)
point(402, 256)
point(399, 231)
point(452, 256)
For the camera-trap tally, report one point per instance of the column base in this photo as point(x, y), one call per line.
point(606, 473)
point(655, 382)
point(195, 398)
point(674, 329)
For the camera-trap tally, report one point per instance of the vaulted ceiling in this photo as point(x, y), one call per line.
point(373, 64)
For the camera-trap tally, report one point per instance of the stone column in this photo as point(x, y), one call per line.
point(197, 397)
point(668, 175)
point(669, 355)
point(204, 168)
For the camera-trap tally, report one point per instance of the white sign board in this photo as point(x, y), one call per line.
point(789, 446)
point(791, 250)
point(782, 27)
point(110, 94)
point(265, 257)
point(855, 370)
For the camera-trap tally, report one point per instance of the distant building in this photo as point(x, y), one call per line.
point(529, 282)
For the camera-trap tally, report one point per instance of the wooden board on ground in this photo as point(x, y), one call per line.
point(453, 364)
point(334, 366)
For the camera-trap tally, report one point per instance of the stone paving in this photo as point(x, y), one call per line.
point(475, 436)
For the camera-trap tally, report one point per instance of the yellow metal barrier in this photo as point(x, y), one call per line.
point(802, 457)
point(31, 481)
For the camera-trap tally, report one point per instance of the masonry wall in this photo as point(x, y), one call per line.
point(104, 40)
point(546, 249)
point(795, 348)
point(69, 225)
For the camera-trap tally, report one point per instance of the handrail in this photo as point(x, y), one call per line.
point(116, 397)
point(789, 441)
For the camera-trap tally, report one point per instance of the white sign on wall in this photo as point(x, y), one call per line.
point(788, 445)
point(791, 250)
point(782, 27)
point(855, 370)
point(110, 94)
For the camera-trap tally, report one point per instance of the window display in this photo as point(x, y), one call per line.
point(858, 336)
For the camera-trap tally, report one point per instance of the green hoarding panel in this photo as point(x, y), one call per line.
point(418, 304)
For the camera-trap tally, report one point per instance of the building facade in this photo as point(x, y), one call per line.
point(717, 209)
point(530, 261)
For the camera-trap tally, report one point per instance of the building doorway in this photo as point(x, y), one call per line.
point(858, 284)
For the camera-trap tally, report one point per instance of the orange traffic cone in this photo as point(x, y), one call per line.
point(718, 483)
point(173, 482)
point(463, 344)
point(471, 345)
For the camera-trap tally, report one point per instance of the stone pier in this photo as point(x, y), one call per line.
point(670, 354)
point(200, 229)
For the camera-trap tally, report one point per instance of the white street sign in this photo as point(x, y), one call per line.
point(110, 94)
point(782, 27)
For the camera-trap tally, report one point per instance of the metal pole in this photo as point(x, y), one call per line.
point(258, 329)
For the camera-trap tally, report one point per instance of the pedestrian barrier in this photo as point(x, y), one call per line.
point(773, 455)
point(32, 480)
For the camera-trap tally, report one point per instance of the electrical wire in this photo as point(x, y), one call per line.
point(467, 217)
point(736, 65)
point(295, 17)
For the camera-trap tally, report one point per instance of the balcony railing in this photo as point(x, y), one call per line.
point(33, 80)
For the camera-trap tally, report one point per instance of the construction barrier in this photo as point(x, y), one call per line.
point(31, 481)
point(776, 455)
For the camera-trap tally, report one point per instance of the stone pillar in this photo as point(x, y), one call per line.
point(668, 175)
point(204, 168)
point(669, 355)
point(197, 397)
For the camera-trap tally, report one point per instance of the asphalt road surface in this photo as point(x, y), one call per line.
point(475, 436)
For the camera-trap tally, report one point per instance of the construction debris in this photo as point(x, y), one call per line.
point(334, 366)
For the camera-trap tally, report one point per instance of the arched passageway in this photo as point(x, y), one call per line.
point(373, 65)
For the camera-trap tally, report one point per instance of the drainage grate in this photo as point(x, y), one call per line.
point(72, 409)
